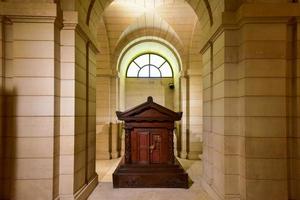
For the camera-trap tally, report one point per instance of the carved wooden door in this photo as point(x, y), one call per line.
point(159, 146)
point(140, 147)
point(155, 147)
point(143, 147)
point(149, 146)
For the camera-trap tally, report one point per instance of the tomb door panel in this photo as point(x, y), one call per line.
point(155, 147)
point(159, 151)
point(143, 147)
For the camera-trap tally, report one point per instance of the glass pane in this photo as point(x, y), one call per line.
point(156, 60)
point(133, 70)
point(142, 60)
point(154, 72)
point(166, 70)
point(144, 72)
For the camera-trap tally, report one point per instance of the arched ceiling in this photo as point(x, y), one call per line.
point(97, 7)
point(206, 11)
point(187, 24)
point(173, 18)
point(199, 6)
point(156, 35)
point(149, 20)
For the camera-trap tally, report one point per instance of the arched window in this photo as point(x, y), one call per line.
point(149, 65)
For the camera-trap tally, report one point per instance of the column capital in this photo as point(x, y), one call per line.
point(184, 74)
point(29, 12)
point(194, 72)
point(261, 13)
point(111, 73)
point(70, 20)
point(115, 74)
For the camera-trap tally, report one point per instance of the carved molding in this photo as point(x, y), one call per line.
point(127, 146)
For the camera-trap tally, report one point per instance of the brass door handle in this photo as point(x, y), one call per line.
point(152, 146)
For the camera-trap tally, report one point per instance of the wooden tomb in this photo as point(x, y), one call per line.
point(149, 154)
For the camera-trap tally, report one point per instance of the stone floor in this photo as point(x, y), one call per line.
point(105, 191)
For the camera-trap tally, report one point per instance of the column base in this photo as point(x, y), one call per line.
point(183, 155)
point(83, 193)
point(115, 155)
point(101, 155)
point(193, 155)
point(211, 192)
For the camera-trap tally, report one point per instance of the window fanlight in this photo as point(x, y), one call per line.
point(149, 65)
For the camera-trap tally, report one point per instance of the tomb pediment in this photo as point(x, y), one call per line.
point(149, 111)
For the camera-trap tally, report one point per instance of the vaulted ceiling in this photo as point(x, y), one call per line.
point(174, 17)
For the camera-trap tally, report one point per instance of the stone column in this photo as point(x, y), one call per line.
point(195, 113)
point(108, 138)
point(104, 126)
point(184, 132)
point(115, 135)
point(254, 131)
point(6, 58)
point(263, 94)
point(31, 65)
point(295, 175)
point(221, 155)
point(293, 112)
point(114, 140)
point(207, 74)
point(67, 102)
point(90, 145)
point(77, 140)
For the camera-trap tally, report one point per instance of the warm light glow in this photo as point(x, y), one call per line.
point(149, 66)
point(146, 4)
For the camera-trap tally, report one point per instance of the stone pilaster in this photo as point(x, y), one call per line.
point(31, 98)
point(184, 133)
point(195, 114)
point(77, 140)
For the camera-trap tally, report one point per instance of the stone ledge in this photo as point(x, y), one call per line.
point(85, 192)
point(193, 155)
point(38, 10)
point(209, 190)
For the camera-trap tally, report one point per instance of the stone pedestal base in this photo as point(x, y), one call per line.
point(115, 155)
point(183, 154)
point(211, 192)
point(150, 176)
point(85, 192)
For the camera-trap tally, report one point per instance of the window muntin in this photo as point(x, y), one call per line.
point(156, 60)
point(149, 66)
point(134, 70)
point(166, 69)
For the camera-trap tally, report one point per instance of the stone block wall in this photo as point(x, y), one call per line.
point(30, 98)
point(250, 105)
point(48, 149)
